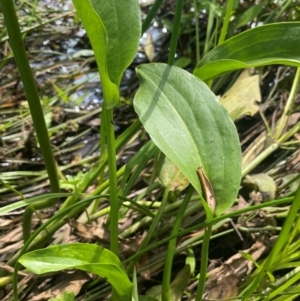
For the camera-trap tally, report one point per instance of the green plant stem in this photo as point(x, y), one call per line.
point(205, 244)
point(285, 286)
point(264, 154)
point(175, 31)
point(290, 133)
point(155, 7)
point(270, 149)
point(30, 89)
point(102, 146)
point(288, 107)
point(152, 228)
point(204, 261)
point(87, 215)
point(209, 28)
point(94, 173)
point(135, 293)
point(279, 245)
point(197, 31)
point(94, 206)
point(35, 107)
point(224, 29)
point(286, 252)
point(289, 182)
point(172, 245)
point(282, 9)
point(156, 166)
point(113, 185)
point(140, 206)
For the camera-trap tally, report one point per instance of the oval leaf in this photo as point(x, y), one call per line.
point(86, 257)
point(189, 125)
point(277, 43)
point(114, 38)
point(122, 22)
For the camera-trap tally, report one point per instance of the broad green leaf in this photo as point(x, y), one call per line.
point(114, 29)
point(277, 43)
point(86, 257)
point(189, 125)
point(98, 37)
point(122, 22)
